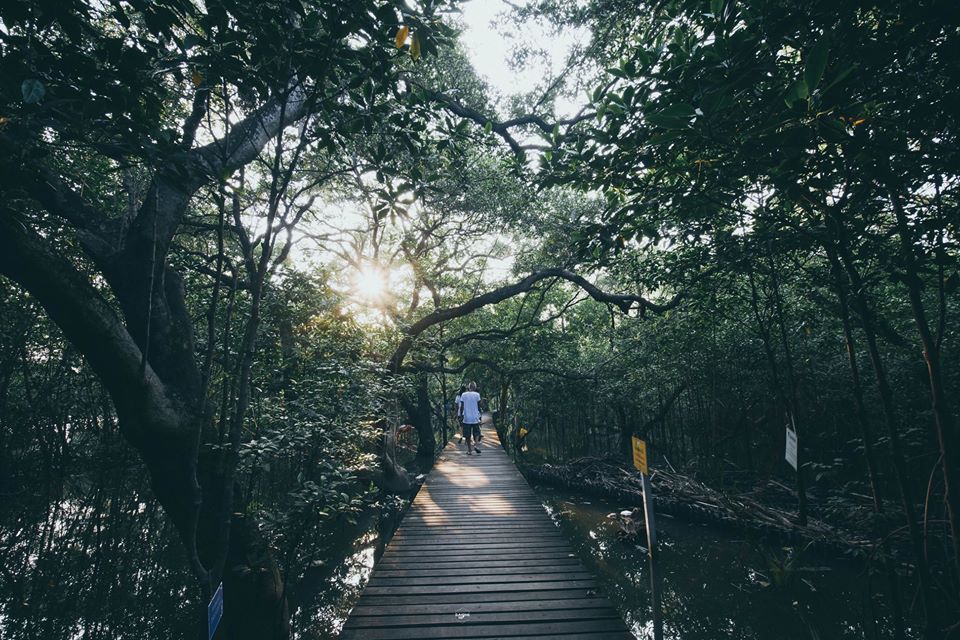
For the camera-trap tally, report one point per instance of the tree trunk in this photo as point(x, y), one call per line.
point(866, 433)
point(418, 412)
point(255, 603)
point(503, 415)
point(901, 473)
point(793, 402)
point(939, 404)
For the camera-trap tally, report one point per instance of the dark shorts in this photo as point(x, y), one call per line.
point(471, 430)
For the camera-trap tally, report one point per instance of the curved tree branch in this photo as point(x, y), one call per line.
point(86, 319)
point(152, 417)
point(422, 367)
point(248, 137)
point(502, 127)
point(624, 302)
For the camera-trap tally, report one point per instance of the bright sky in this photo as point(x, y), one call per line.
point(490, 38)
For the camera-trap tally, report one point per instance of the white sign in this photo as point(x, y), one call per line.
point(792, 447)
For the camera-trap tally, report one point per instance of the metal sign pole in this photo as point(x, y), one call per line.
point(640, 462)
point(652, 554)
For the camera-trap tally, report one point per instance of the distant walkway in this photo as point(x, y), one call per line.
point(476, 556)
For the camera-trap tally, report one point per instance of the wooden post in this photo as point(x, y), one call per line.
point(443, 390)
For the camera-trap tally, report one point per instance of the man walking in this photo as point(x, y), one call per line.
point(470, 412)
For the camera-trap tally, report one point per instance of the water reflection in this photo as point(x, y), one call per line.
point(325, 595)
point(97, 561)
point(719, 587)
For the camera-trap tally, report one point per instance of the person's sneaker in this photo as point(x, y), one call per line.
point(469, 453)
point(477, 450)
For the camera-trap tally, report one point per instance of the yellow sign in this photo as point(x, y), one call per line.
point(640, 455)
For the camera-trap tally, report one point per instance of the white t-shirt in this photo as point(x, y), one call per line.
point(471, 407)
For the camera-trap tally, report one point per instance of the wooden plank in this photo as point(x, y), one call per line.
point(515, 630)
point(522, 539)
point(518, 536)
point(488, 531)
point(519, 606)
point(473, 598)
point(489, 521)
point(501, 567)
point(477, 579)
point(501, 587)
point(426, 548)
point(465, 552)
point(467, 528)
point(445, 552)
point(467, 616)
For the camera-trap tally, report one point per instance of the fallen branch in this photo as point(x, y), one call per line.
point(680, 495)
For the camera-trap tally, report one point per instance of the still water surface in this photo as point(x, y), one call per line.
point(718, 586)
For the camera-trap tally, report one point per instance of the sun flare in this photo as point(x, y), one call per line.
point(370, 283)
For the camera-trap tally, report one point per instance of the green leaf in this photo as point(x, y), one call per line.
point(832, 130)
point(667, 122)
point(488, 126)
point(716, 7)
point(797, 91)
point(816, 63)
point(674, 116)
point(678, 110)
point(840, 77)
point(32, 90)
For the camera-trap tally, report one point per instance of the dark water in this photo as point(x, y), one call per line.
point(99, 564)
point(716, 586)
point(325, 602)
point(325, 595)
point(106, 565)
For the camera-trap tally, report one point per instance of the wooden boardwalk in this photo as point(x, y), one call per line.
point(476, 556)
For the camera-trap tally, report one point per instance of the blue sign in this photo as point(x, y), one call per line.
point(214, 612)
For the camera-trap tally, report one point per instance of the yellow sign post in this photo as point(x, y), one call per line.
point(640, 455)
point(640, 462)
